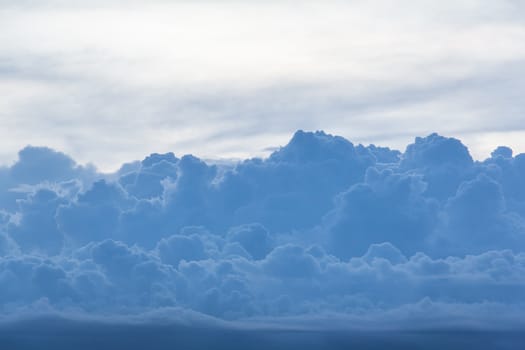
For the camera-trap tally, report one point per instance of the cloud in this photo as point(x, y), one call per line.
point(322, 228)
point(291, 261)
point(31, 334)
point(159, 88)
point(7, 246)
point(37, 230)
point(384, 251)
point(94, 214)
point(443, 161)
point(254, 238)
point(177, 247)
point(321, 233)
point(386, 206)
point(44, 166)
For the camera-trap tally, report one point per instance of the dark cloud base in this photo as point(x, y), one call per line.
point(60, 334)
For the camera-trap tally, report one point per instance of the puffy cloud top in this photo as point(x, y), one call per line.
point(322, 226)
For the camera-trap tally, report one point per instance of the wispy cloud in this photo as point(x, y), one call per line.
point(245, 75)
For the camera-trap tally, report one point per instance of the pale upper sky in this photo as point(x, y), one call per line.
point(112, 81)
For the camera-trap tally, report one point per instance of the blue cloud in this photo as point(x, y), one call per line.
point(320, 227)
point(386, 206)
point(254, 238)
point(178, 247)
point(37, 230)
point(40, 165)
point(444, 163)
point(94, 214)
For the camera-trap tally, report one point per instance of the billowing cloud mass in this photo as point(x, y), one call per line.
point(322, 227)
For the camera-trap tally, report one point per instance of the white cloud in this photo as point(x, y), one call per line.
point(88, 77)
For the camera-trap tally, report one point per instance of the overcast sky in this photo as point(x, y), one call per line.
point(112, 81)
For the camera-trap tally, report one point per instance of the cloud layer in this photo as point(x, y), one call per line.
point(321, 227)
point(227, 79)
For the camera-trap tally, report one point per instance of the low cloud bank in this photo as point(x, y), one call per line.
point(66, 334)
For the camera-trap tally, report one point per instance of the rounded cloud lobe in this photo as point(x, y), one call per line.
point(320, 227)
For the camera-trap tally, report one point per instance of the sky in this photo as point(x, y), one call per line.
point(267, 175)
point(110, 81)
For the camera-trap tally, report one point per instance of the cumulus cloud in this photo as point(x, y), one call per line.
point(37, 230)
point(321, 227)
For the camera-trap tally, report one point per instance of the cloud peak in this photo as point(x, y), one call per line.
point(320, 227)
